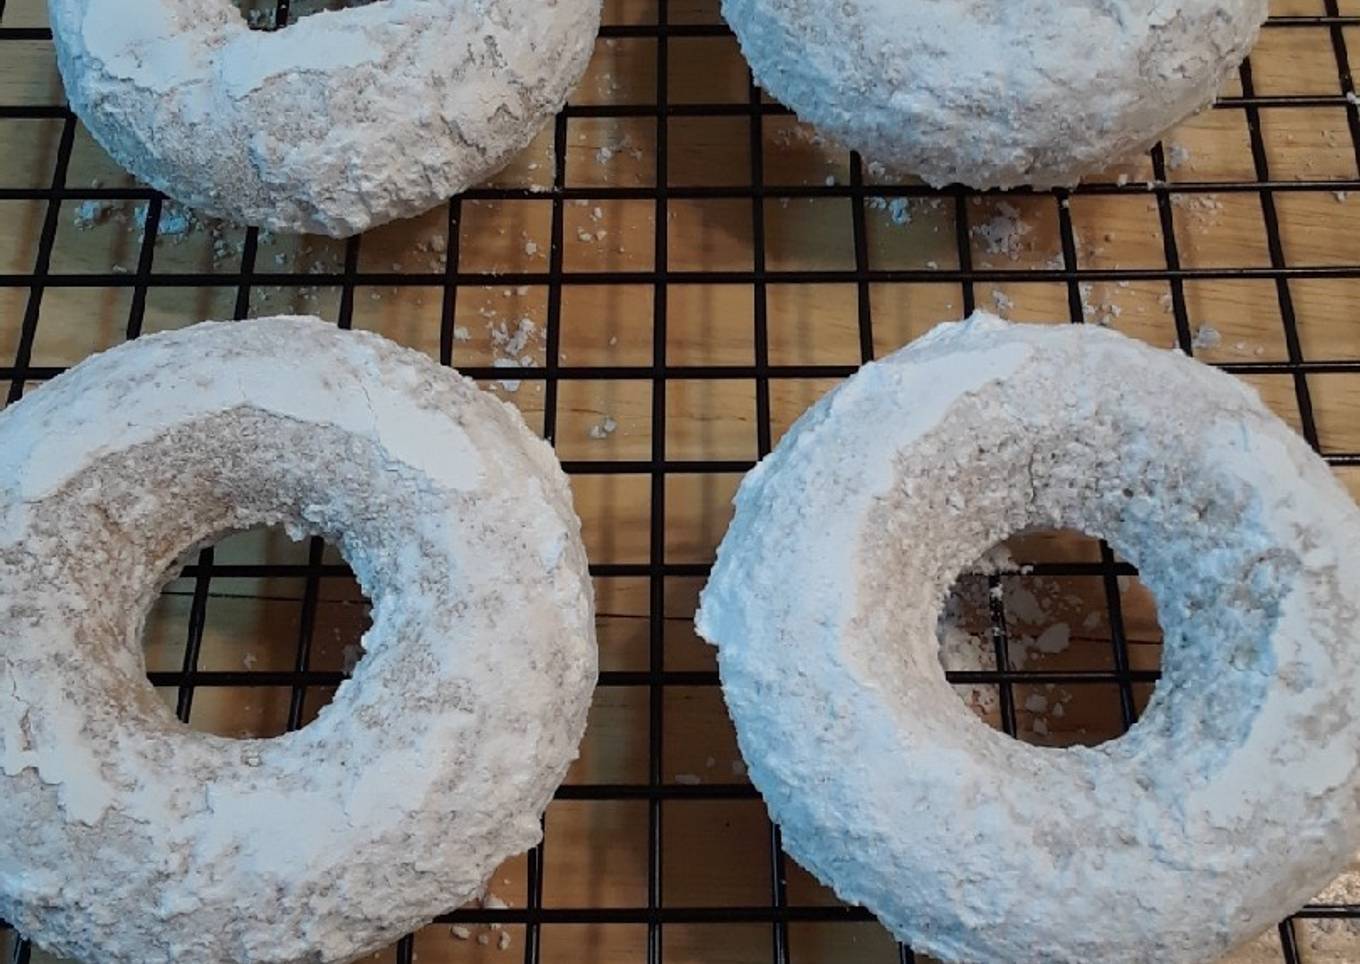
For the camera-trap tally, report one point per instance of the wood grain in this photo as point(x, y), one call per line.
point(714, 852)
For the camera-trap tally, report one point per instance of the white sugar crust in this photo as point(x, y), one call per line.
point(990, 93)
point(337, 123)
point(127, 837)
point(1229, 804)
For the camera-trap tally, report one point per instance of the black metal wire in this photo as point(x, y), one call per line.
point(656, 655)
point(1277, 260)
point(311, 593)
point(656, 792)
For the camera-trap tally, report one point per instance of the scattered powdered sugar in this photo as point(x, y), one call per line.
point(350, 655)
point(898, 208)
point(1099, 309)
point(1037, 609)
point(1022, 603)
point(485, 932)
point(175, 221)
point(1206, 336)
point(225, 242)
point(962, 651)
point(506, 384)
point(603, 428)
point(998, 559)
point(90, 213)
point(514, 346)
point(512, 342)
point(804, 143)
point(617, 148)
point(1054, 639)
point(1004, 233)
point(1203, 210)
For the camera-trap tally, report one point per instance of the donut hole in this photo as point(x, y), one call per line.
point(1172, 505)
point(263, 14)
point(1047, 603)
point(252, 638)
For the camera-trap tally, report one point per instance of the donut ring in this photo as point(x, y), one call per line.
point(342, 121)
point(1037, 92)
point(126, 837)
point(1230, 803)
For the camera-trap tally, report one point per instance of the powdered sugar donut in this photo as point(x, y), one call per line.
point(339, 122)
point(995, 94)
point(126, 837)
point(1229, 804)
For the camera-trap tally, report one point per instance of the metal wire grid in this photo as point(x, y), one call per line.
point(778, 913)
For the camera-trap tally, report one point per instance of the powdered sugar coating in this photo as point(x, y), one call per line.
point(126, 837)
point(342, 121)
point(1230, 803)
point(995, 94)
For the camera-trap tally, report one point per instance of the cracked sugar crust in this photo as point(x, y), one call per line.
point(992, 94)
point(1231, 802)
point(126, 837)
point(341, 121)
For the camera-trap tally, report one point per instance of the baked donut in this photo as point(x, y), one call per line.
point(125, 836)
point(992, 94)
point(337, 123)
point(1230, 803)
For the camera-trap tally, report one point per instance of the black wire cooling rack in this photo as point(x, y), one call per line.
point(1332, 23)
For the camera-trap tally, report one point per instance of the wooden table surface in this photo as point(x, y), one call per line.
point(664, 345)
